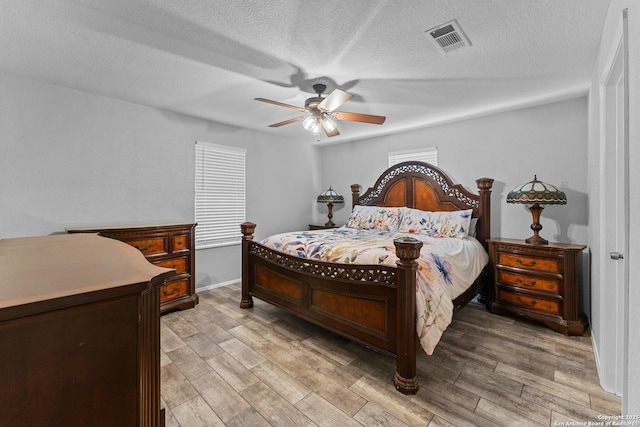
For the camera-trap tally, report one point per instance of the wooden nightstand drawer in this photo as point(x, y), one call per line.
point(531, 303)
point(529, 262)
point(530, 282)
point(178, 264)
point(173, 289)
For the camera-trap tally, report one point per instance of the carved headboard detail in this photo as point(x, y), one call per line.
point(423, 186)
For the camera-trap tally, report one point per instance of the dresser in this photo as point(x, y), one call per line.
point(539, 282)
point(79, 333)
point(165, 245)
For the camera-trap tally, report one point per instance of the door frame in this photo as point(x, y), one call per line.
point(613, 357)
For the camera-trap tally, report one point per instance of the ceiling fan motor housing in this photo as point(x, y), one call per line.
point(319, 88)
point(311, 104)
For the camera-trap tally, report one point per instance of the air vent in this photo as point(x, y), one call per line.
point(448, 37)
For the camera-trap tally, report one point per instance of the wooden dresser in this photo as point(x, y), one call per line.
point(79, 333)
point(539, 282)
point(166, 245)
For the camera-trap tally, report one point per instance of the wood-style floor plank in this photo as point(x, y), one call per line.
point(225, 401)
point(385, 396)
point(222, 365)
point(197, 413)
point(276, 410)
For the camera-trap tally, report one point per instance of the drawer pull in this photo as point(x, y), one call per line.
point(143, 248)
point(171, 292)
point(519, 281)
point(531, 303)
point(526, 264)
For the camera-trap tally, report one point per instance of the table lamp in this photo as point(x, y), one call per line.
point(536, 193)
point(330, 197)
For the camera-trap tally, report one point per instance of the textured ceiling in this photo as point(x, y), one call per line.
point(210, 58)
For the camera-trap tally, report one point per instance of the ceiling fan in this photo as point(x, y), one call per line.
point(322, 114)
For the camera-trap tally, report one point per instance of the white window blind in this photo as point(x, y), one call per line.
point(428, 155)
point(220, 194)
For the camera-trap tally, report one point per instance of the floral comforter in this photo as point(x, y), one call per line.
point(446, 267)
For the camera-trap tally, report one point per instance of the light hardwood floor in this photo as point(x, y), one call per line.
point(222, 365)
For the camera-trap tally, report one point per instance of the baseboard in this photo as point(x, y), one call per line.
point(216, 285)
point(596, 355)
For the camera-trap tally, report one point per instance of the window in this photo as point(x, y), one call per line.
point(220, 194)
point(428, 155)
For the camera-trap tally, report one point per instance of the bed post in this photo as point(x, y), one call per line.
point(408, 251)
point(355, 194)
point(247, 228)
point(484, 189)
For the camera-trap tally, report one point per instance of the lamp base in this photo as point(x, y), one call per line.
point(536, 240)
point(330, 215)
point(536, 209)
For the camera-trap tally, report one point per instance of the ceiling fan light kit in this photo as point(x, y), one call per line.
point(313, 124)
point(329, 124)
point(322, 117)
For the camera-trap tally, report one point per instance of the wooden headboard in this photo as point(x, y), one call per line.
point(420, 185)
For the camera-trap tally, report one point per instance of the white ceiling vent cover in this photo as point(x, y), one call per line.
point(448, 37)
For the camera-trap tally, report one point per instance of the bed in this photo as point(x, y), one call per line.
point(372, 303)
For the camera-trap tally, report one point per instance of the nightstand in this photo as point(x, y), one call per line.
point(321, 226)
point(539, 282)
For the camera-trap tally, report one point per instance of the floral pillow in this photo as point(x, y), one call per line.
point(436, 224)
point(375, 218)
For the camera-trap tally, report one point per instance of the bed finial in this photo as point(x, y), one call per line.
point(484, 183)
point(248, 228)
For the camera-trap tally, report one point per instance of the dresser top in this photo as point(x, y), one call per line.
point(523, 244)
point(37, 269)
point(141, 227)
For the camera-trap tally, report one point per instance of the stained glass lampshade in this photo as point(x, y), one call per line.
point(537, 193)
point(330, 197)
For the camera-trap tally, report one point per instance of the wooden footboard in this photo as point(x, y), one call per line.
point(371, 304)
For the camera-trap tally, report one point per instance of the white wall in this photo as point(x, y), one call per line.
point(603, 323)
point(69, 158)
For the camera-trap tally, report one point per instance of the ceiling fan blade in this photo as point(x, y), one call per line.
point(286, 122)
point(357, 117)
point(334, 132)
point(268, 101)
point(335, 99)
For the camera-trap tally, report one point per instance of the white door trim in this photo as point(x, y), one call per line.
point(612, 358)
